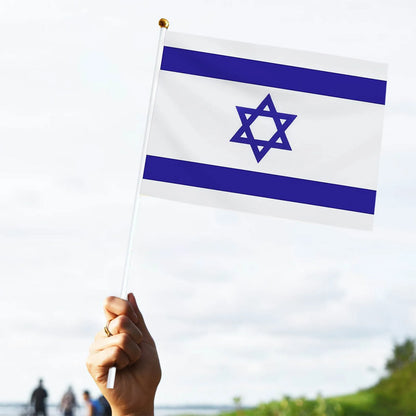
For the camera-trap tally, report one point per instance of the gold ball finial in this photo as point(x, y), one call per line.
point(164, 23)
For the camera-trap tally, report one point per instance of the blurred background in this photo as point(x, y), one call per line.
point(241, 306)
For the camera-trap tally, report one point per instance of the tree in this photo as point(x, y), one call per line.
point(237, 402)
point(403, 354)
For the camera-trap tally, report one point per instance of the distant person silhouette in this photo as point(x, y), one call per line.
point(38, 400)
point(68, 402)
point(96, 407)
point(105, 406)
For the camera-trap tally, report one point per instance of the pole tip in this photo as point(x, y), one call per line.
point(164, 23)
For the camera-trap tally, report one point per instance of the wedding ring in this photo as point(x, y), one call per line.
point(107, 331)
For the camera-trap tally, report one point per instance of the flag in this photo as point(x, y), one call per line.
point(267, 130)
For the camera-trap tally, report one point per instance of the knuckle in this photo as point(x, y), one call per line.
point(124, 340)
point(138, 353)
point(119, 324)
point(89, 364)
point(123, 321)
point(114, 326)
point(124, 308)
point(108, 302)
point(119, 357)
point(115, 353)
point(135, 354)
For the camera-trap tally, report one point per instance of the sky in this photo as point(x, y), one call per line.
point(239, 304)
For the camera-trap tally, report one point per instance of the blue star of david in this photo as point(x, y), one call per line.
point(265, 109)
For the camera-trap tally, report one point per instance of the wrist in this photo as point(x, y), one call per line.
point(139, 412)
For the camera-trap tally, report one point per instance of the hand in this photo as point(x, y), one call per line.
point(132, 350)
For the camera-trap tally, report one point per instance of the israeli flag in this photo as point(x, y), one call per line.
point(272, 131)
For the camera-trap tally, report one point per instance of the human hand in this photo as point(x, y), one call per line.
point(132, 350)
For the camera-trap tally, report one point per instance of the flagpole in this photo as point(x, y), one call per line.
point(164, 24)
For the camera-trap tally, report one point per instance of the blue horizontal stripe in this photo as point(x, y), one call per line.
point(259, 184)
point(273, 75)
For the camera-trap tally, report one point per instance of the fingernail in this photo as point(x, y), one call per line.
point(133, 299)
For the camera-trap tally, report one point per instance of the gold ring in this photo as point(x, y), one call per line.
point(107, 331)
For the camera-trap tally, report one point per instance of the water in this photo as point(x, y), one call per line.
point(18, 409)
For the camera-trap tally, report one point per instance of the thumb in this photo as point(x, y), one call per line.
point(140, 322)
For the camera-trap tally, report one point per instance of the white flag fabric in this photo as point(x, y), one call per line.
point(268, 130)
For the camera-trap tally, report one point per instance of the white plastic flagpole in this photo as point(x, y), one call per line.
point(164, 24)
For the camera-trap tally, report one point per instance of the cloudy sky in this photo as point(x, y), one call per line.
point(239, 304)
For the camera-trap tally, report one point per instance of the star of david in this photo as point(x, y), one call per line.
point(261, 147)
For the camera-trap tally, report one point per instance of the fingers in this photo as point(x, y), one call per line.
point(99, 361)
point(124, 325)
point(114, 307)
point(119, 350)
point(123, 343)
point(122, 349)
point(128, 329)
point(112, 357)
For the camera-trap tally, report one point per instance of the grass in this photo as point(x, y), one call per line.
point(361, 403)
point(394, 395)
point(363, 398)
